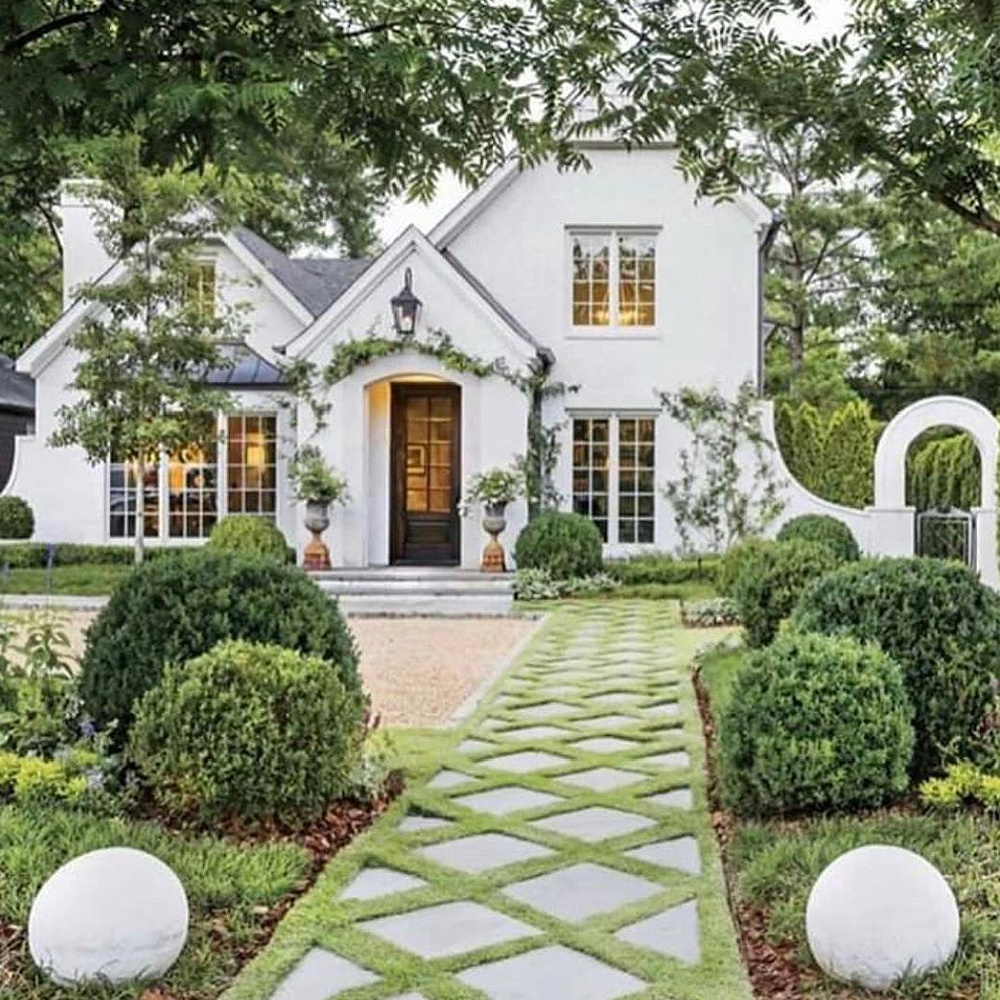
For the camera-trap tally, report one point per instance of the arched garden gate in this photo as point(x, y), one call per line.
point(892, 525)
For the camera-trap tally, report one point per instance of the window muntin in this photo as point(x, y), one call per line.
point(614, 279)
point(636, 480)
point(591, 464)
point(252, 464)
point(123, 499)
point(193, 491)
point(614, 476)
point(201, 288)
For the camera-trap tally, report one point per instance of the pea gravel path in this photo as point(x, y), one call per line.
point(557, 848)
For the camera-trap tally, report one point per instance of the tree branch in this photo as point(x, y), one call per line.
point(17, 45)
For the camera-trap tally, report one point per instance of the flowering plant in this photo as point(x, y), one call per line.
point(315, 481)
point(493, 488)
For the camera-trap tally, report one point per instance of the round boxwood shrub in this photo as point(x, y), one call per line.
point(771, 581)
point(731, 564)
point(182, 605)
point(248, 535)
point(939, 622)
point(16, 518)
point(567, 545)
point(822, 528)
point(816, 723)
point(249, 732)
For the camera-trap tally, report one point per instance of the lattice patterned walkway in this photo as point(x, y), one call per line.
point(561, 850)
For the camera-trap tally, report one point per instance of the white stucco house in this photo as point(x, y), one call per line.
point(617, 280)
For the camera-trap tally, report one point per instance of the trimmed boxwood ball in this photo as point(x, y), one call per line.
point(816, 723)
point(16, 518)
point(248, 732)
point(182, 605)
point(567, 545)
point(248, 535)
point(823, 528)
point(771, 580)
point(939, 622)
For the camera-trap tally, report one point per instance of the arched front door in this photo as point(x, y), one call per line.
point(425, 474)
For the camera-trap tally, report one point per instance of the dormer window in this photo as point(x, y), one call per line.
point(614, 279)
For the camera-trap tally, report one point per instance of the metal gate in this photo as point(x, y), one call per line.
point(947, 534)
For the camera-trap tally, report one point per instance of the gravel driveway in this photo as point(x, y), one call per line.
point(419, 671)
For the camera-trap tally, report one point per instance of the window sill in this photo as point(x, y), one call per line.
point(614, 333)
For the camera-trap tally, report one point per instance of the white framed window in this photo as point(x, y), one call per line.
point(201, 288)
point(614, 475)
point(613, 274)
point(186, 494)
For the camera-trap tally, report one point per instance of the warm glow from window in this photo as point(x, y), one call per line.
point(614, 279)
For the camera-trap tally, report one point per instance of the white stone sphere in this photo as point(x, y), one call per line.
point(113, 916)
point(879, 914)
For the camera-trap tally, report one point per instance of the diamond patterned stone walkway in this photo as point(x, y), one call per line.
point(559, 846)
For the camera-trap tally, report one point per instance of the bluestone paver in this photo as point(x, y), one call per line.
point(372, 883)
point(484, 852)
point(322, 974)
point(673, 933)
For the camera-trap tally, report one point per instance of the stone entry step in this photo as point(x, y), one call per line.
point(420, 591)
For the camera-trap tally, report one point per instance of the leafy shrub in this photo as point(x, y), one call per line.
point(772, 580)
point(711, 613)
point(539, 585)
point(939, 622)
point(731, 564)
point(36, 555)
point(34, 781)
point(374, 766)
point(176, 608)
point(814, 723)
point(567, 545)
point(251, 732)
point(16, 518)
point(661, 569)
point(249, 535)
point(822, 528)
point(963, 786)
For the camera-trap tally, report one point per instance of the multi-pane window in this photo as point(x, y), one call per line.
point(201, 288)
point(614, 279)
point(636, 475)
point(591, 467)
point(123, 499)
point(193, 478)
point(614, 476)
point(252, 464)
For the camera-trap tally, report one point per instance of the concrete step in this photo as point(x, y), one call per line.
point(443, 588)
point(426, 605)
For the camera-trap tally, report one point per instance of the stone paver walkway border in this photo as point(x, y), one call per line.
point(556, 847)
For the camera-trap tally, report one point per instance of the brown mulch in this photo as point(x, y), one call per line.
point(774, 972)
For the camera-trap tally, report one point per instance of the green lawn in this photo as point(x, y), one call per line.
point(84, 580)
point(230, 887)
point(773, 866)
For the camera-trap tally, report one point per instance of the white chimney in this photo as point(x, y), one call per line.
point(84, 256)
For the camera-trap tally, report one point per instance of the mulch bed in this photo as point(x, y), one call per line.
point(774, 972)
point(342, 822)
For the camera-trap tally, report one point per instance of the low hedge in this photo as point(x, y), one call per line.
point(661, 569)
point(825, 529)
point(941, 624)
point(816, 723)
point(35, 555)
point(249, 732)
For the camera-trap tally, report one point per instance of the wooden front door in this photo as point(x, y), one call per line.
point(426, 474)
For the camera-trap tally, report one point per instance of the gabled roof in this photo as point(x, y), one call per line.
point(316, 282)
point(243, 368)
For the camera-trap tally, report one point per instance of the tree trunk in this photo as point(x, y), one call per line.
point(140, 511)
point(796, 348)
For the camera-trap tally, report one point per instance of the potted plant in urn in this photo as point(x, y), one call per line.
point(319, 486)
point(493, 489)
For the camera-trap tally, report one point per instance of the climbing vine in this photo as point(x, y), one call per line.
point(537, 465)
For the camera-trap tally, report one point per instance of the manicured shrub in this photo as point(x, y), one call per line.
point(248, 535)
point(178, 607)
point(16, 518)
point(816, 723)
point(36, 555)
point(822, 528)
point(249, 732)
point(567, 545)
point(731, 564)
point(772, 580)
point(662, 570)
point(939, 622)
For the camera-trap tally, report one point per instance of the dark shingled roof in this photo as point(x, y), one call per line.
point(317, 282)
point(245, 368)
point(17, 391)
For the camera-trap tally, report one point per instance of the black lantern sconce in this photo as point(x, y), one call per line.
point(406, 308)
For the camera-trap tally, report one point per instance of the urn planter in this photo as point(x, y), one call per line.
point(494, 523)
point(317, 556)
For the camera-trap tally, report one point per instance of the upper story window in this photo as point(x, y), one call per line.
point(201, 288)
point(614, 278)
